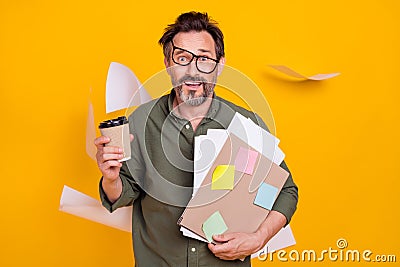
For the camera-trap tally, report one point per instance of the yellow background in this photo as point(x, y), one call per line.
point(341, 136)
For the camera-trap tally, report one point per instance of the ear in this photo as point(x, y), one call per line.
point(221, 65)
point(166, 62)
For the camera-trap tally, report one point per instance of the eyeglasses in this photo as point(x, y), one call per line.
point(184, 57)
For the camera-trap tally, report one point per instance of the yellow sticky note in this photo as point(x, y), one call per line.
point(223, 177)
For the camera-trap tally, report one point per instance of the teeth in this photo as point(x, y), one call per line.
point(192, 83)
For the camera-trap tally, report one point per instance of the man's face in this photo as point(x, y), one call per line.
point(192, 86)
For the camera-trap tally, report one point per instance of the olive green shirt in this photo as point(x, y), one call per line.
point(158, 181)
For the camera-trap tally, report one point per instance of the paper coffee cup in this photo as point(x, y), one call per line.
point(118, 131)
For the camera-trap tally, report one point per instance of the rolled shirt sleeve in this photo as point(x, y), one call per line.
point(286, 202)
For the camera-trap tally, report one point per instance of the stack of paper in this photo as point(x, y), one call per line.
point(237, 177)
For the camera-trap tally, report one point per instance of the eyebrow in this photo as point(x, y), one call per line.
point(184, 50)
point(204, 50)
point(181, 51)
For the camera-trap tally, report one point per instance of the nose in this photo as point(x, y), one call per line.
point(192, 69)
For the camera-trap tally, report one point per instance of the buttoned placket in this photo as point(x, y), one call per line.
point(186, 129)
point(192, 251)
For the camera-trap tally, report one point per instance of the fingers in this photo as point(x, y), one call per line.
point(131, 136)
point(111, 150)
point(223, 251)
point(109, 153)
point(111, 156)
point(230, 246)
point(107, 158)
point(109, 164)
point(224, 237)
point(101, 141)
point(220, 248)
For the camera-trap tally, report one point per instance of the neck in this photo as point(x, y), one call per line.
point(194, 114)
point(190, 112)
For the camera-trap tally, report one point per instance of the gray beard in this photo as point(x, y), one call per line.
point(191, 99)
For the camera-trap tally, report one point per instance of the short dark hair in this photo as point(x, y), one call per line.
point(193, 21)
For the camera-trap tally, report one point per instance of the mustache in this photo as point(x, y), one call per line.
point(188, 78)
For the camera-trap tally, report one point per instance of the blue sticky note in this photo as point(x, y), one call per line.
point(266, 195)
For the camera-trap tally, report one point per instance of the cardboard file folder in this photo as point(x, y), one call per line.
point(236, 206)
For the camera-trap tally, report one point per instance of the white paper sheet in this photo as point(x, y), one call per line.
point(90, 133)
point(189, 233)
point(123, 89)
point(268, 140)
point(81, 205)
point(290, 72)
point(283, 239)
point(207, 148)
point(258, 138)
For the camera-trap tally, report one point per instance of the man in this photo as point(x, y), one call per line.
point(158, 179)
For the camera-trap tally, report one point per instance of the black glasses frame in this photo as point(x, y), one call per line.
point(193, 56)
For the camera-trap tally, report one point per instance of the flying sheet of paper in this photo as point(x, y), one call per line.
point(123, 89)
point(317, 77)
point(90, 133)
point(214, 225)
point(81, 205)
point(223, 177)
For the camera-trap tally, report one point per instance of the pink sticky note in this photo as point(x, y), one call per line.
point(245, 160)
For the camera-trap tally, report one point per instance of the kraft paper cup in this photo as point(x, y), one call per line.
point(118, 131)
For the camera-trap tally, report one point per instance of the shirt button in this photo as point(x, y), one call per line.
point(187, 126)
point(193, 249)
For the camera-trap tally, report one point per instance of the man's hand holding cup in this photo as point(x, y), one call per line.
point(113, 147)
